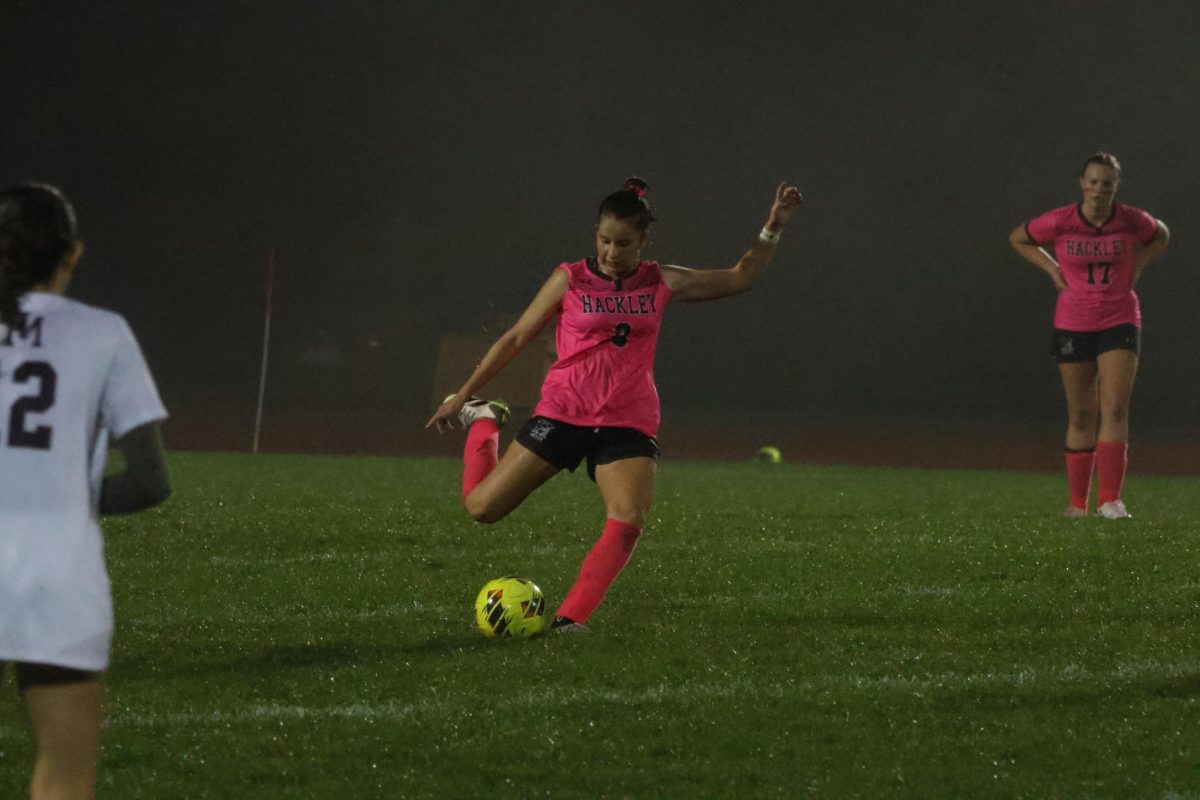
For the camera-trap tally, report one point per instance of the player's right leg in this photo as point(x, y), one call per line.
point(506, 486)
point(1083, 403)
point(1080, 388)
point(482, 419)
point(66, 719)
point(541, 448)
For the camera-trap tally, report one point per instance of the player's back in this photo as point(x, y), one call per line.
point(70, 375)
point(54, 367)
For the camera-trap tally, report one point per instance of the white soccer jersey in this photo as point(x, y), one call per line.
point(70, 378)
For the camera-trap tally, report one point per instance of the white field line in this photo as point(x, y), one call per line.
point(687, 692)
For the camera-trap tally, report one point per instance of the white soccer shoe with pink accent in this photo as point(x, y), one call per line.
point(1114, 509)
point(477, 408)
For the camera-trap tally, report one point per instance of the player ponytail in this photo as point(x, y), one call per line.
point(37, 232)
point(1103, 159)
point(629, 203)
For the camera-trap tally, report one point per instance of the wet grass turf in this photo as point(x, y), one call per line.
point(299, 627)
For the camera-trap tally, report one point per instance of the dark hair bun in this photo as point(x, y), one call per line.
point(637, 186)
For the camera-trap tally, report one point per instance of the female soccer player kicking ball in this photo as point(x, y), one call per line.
point(70, 377)
point(598, 400)
point(1100, 249)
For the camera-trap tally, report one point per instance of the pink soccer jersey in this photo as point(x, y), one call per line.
point(1096, 263)
point(606, 339)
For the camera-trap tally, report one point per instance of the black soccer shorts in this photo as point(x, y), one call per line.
point(30, 675)
point(565, 445)
point(1070, 347)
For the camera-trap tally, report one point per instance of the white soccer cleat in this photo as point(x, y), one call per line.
point(1075, 511)
point(1114, 509)
point(476, 409)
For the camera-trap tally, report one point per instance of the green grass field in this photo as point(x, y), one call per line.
point(299, 627)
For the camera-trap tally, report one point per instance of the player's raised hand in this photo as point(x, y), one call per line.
point(787, 200)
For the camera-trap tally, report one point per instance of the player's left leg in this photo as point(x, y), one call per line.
point(66, 722)
point(1117, 370)
point(627, 486)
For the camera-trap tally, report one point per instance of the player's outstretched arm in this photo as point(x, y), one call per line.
point(1030, 251)
point(689, 285)
point(144, 483)
point(506, 348)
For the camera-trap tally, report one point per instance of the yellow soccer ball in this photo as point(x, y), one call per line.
point(510, 606)
point(769, 455)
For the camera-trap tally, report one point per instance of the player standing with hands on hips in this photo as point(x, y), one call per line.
point(1100, 249)
point(598, 400)
point(71, 376)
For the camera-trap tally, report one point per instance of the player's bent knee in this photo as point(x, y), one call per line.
point(482, 509)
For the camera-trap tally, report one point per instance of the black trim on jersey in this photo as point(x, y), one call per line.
point(593, 265)
point(1097, 228)
point(1029, 235)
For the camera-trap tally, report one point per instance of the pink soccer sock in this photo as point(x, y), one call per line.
point(1079, 476)
point(600, 568)
point(480, 454)
point(1111, 461)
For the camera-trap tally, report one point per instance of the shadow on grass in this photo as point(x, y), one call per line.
point(1180, 687)
point(191, 659)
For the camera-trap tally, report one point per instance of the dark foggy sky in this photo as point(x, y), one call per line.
point(420, 168)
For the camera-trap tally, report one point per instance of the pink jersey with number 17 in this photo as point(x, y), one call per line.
point(1096, 262)
point(606, 339)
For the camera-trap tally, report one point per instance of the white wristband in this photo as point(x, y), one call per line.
point(769, 236)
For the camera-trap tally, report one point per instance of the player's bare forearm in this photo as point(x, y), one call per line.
point(692, 285)
point(498, 356)
point(752, 265)
point(145, 482)
point(505, 349)
point(1150, 252)
point(1035, 255)
point(695, 285)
